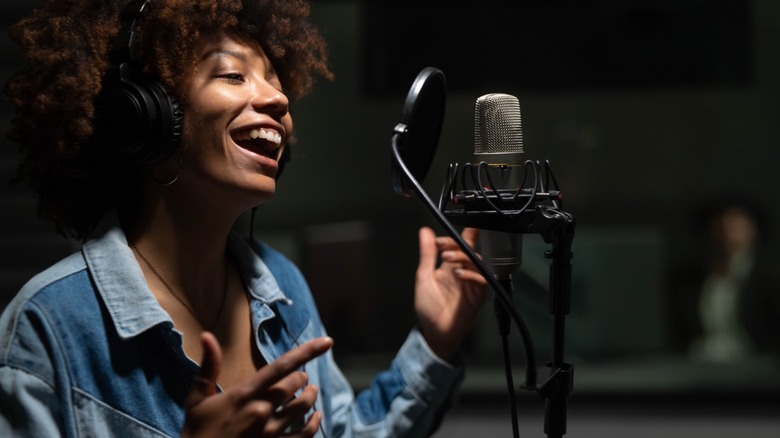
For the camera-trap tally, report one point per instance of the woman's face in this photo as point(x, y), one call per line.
point(735, 229)
point(236, 124)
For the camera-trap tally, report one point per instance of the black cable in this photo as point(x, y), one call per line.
point(550, 175)
point(510, 386)
point(503, 296)
point(448, 190)
point(534, 190)
point(503, 322)
point(480, 187)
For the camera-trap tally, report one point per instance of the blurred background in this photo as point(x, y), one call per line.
point(654, 114)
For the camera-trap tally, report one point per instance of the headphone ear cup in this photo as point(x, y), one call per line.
point(169, 124)
point(139, 122)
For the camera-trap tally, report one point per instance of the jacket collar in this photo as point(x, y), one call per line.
point(122, 286)
point(256, 275)
point(120, 281)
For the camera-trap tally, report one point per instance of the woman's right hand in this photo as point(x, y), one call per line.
point(263, 406)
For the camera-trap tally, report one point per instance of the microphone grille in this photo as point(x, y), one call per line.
point(497, 126)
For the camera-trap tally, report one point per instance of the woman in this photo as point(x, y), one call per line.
point(723, 303)
point(167, 323)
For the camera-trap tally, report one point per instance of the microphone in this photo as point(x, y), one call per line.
point(501, 211)
point(498, 151)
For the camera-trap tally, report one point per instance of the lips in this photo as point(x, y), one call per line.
point(262, 140)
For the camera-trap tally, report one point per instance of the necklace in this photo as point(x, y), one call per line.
point(179, 298)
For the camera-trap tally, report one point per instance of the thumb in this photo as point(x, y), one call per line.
point(428, 251)
point(206, 380)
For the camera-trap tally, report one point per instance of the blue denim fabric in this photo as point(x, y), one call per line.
point(86, 350)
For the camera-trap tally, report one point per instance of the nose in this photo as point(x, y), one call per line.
point(269, 99)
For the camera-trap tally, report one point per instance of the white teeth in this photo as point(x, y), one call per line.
point(262, 133)
point(271, 136)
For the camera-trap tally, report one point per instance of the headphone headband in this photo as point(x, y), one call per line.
point(125, 45)
point(137, 119)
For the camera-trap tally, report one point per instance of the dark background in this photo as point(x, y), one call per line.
point(646, 110)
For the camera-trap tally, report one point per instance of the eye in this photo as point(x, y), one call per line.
point(233, 78)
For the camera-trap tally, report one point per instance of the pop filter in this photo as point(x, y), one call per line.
point(417, 135)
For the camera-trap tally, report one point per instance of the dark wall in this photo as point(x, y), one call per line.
point(638, 141)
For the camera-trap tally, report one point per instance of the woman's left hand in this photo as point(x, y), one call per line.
point(448, 298)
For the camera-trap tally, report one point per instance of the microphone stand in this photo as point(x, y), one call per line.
point(556, 228)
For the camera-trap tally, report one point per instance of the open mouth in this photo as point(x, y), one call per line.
point(263, 141)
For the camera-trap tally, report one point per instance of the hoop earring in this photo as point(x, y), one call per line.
point(175, 178)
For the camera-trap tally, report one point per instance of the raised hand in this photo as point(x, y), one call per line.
point(263, 406)
point(448, 298)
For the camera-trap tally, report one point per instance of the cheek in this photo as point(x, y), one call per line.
point(201, 125)
point(287, 121)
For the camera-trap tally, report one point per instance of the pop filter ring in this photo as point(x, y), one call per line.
point(421, 119)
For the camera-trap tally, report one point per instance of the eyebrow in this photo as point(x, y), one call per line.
point(241, 56)
point(238, 55)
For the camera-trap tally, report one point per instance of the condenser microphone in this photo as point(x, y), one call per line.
point(498, 155)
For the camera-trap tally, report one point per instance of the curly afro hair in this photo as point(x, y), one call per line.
point(67, 44)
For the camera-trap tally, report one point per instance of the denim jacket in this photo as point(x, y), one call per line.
point(86, 350)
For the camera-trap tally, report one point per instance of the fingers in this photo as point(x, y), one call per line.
point(311, 426)
point(300, 405)
point(263, 405)
point(210, 364)
point(206, 380)
point(462, 265)
point(451, 251)
point(292, 416)
point(284, 390)
point(285, 380)
point(287, 363)
point(264, 418)
point(470, 276)
point(252, 419)
point(428, 250)
point(470, 236)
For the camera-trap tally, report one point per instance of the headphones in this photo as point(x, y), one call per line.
point(137, 119)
